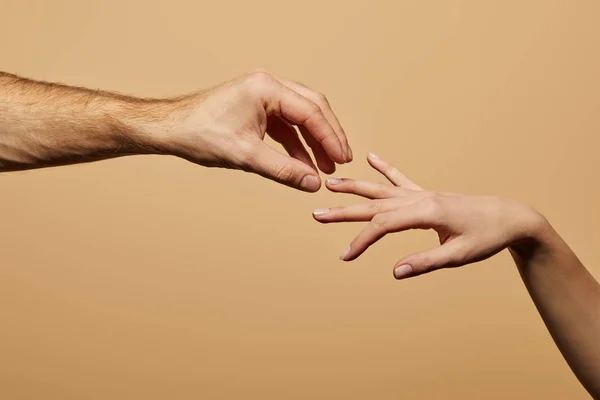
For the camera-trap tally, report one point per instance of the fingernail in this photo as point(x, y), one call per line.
point(403, 271)
point(321, 211)
point(310, 183)
point(350, 152)
point(344, 254)
point(373, 155)
point(334, 181)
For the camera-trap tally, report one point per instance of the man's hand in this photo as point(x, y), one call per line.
point(45, 124)
point(225, 127)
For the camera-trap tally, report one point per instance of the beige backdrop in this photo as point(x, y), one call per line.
point(151, 278)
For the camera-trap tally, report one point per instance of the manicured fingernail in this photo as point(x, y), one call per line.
point(350, 153)
point(344, 254)
point(373, 155)
point(320, 211)
point(310, 183)
point(334, 181)
point(403, 271)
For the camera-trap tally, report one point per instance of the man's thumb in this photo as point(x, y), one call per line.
point(271, 164)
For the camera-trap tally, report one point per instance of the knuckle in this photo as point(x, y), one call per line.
point(378, 223)
point(260, 78)
point(260, 70)
point(284, 173)
point(245, 156)
point(349, 185)
point(467, 250)
point(459, 256)
point(433, 206)
point(314, 108)
point(382, 192)
point(321, 98)
point(335, 211)
point(425, 263)
point(375, 206)
point(392, 171)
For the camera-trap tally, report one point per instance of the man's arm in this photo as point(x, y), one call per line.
point(46, 124)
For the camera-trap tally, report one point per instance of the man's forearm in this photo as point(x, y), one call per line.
point(46, 124)
point(568, 299)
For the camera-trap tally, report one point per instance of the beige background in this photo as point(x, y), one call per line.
point(151, 278)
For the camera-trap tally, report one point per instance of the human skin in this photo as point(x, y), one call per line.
point(47, 124)
point(472, 229)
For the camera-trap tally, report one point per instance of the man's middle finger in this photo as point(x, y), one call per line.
point(321, 100)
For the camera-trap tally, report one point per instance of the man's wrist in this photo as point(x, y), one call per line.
point(146, 126)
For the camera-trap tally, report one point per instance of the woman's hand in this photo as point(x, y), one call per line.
point(473, 228)
point(470, 228)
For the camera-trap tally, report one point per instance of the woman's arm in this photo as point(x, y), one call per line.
point(474, 228)
point(568, 299)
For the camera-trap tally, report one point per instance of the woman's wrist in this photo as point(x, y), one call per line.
point(537, 235)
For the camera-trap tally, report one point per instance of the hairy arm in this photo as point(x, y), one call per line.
point(568, 299)
point(46, 124)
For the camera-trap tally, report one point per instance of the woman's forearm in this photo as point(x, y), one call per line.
point(567, 297)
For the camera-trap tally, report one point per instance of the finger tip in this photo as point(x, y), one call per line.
point(331, 183)
point(334, 157)
point(319, 214)
point(345, 253)
point(326, 167)
point(402, 271)
point(329, 169)
point(310, 183)
point(374, 159)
